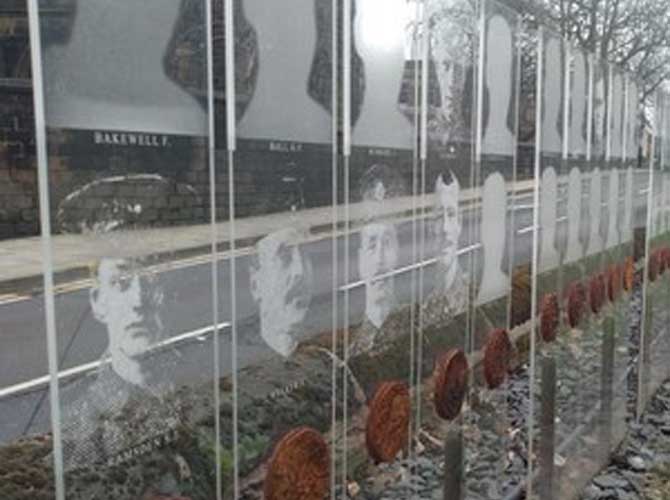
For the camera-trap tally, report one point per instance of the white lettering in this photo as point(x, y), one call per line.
point(146, 140)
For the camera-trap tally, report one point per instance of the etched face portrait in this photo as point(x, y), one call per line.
point(378, 246)
point(281, 284)
point(449, 221)
point(127, 300)
point(378, 255)
point(110, 217)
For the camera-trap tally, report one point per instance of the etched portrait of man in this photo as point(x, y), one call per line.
point(128, 303)
point(448, 296)
point(281, 284)
point(281, 278)
point(377, 254)
point(448, 227)
point(124, 407)
point(451, 51)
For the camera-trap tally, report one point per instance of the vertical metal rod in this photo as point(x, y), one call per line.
point(589, 110)
point(229, 35)
point(346, 151)
point(211, 160)
point(475, 183)
point(480, 81)
point(535, 261)
point(45, 227)
point(335, 295)
point(646, 299)
point(230, 157)
point(346, 77)
point(345, 383)
point(511, 246)
point(423, 154)
point(626, 228)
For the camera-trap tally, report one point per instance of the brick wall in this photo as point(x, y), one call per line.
point(18, 173)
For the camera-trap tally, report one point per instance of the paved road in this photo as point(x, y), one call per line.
point(81, 339)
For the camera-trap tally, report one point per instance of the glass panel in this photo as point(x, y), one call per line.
point(559, 292)
point(643, 246)
point(639, 207)
point(657, 349)
point(129, 188)
point(492, 425)
point(380, 179)
point(447, 249)
point(580, 220)
point(282, 171)
point(574, 351)
point(616, 317)
point(337, 292)
point(25, 419)
point(601, 347)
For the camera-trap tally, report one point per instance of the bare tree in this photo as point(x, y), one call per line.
point(633, 34)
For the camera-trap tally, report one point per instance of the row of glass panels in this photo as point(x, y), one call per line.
point(329, 288)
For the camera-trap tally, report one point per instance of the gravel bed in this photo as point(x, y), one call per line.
point(495, 455)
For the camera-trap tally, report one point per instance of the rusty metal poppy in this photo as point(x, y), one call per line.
point(387, 427)
point(576, 297)
point(497, 356)
point(451, 383)
point(628, 274)
point(299, 467)
point(549, 312)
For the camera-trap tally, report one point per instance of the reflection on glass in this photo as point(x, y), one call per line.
point(498, 137)
point(548, 210)
point(285, 54)
point(599, 105)
point(495, 283)
point(138, 97)
point(578, 108)
point(551, 136)
point(585, 214)
point(451, 53)
point(574, 209)
point(595, 240)
point(381, 38)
